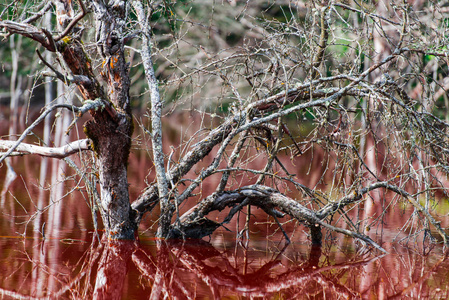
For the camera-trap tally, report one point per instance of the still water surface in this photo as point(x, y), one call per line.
point(81, 269)
point(56, 253)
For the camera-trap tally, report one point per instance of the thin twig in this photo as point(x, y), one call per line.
point(39, 14)
point(58, 74)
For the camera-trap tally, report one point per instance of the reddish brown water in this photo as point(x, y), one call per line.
point(55, 254)
point(196, 270)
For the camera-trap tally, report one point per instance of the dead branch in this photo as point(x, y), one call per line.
point(53, 152)
point(29, 31)
point(331, 208)
point(260, 196)
point(40, 13)
point(89, 105)
point(365, 12)
point(156, 114)
point(58, 74)
point(322, 43)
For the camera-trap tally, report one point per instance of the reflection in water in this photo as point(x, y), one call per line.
point(112, 270)
point(9, 178)
point(196, 270)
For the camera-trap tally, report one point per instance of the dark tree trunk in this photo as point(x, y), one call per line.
point(111, 127)
point(112, 144)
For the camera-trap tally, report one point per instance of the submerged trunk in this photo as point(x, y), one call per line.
point(110, 131)
point(111, 144)
point(111, 127)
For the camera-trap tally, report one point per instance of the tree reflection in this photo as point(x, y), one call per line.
point(112, 270)
point(195, 269)
point(191, 269)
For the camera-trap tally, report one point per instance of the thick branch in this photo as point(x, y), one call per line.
point(260, 196)
point(58, 152)
point(29, 31)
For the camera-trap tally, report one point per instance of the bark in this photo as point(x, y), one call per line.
point(194, 221)
point(156, 124)
point(110, 131)
point(49, 96)
point(54, 152)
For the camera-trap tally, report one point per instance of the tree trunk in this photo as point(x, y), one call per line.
point(111, 127)
point(111, 144)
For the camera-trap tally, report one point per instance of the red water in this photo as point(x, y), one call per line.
point(56, 254)
point(82, 269)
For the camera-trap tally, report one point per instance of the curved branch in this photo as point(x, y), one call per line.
point(29, 31)
point(260, 196)
point(330, 208)
point(58, 152)
point(87, 106)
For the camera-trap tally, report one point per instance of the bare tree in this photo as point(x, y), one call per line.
point(366, 80)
